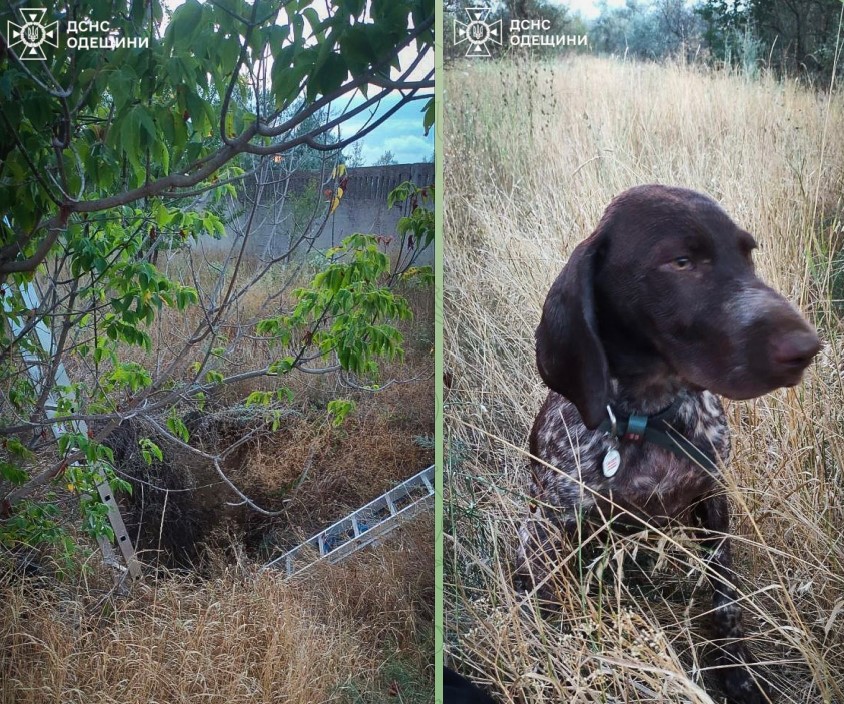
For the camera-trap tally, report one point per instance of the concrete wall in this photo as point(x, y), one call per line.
point(286, 204)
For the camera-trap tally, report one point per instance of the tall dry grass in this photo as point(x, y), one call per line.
point(533, 154)
point(356, 633)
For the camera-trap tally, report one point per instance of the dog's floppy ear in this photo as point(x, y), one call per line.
point(569, 353)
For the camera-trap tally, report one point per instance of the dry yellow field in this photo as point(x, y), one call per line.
point(533, 154)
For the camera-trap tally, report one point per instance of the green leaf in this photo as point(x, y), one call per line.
point(357, 50)
point(151, 450)
point(330, 75)
point(353, 7)
point(12, 473)
point(297, 22)
point(198, 111)
point(284, 395)
point(143, 121)
point(16, 447)
point(429, 115)
point(185, 23)
point(310, 14)
point(258, 398)
point(228, 50)
point(339, 409)
point(212, 376)
point(287, 79)
point(276, 35)
point(129, 375)
point(161, 214)
point(176, 426)
point(282, 366)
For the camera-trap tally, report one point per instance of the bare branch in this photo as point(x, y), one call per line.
point(215, 460)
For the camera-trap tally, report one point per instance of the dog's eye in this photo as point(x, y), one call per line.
point(682, 263)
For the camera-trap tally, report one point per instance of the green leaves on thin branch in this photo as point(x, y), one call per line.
point(348, 309)
point(150, 451)
point(416, 230)
point(177, 426)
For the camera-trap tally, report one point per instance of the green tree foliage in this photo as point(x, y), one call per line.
point(386, 159)
point(415, 230)
point(647, 30)
point(798, 38)
point(795, 37)
point(110, 156)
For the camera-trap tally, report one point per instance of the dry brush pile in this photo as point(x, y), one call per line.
point(533, 154)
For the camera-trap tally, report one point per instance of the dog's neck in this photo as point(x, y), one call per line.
point(645, 394)
point(646, 389)
point(641, 381)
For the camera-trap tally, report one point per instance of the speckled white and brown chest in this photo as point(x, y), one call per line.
point(652, 482)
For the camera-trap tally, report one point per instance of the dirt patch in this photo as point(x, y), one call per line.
point(307, 471)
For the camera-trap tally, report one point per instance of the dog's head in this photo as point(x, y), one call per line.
point(666, 286)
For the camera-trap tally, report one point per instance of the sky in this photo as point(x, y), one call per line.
point(588, 9)
point(402, 134)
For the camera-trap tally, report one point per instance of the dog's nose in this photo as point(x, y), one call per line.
point(794, 351)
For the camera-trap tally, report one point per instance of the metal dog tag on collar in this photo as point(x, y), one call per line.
point(612, 461)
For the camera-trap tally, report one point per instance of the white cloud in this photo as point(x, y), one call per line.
point(402, 133)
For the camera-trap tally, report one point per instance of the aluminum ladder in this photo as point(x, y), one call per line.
point(34, 367)
point(363, 526)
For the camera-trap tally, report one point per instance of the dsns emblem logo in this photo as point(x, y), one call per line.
point(477, 31)
point(33, 33)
